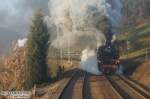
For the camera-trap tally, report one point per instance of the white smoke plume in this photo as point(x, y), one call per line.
point(21, 42)
point(75, 21)
point(89, 61)
point(120, 70)
point(83, 23)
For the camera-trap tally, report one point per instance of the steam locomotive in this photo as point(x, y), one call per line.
point(108, 57)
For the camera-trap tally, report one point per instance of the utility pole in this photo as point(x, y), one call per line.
point(60, 45)
point(146, 54)
point(68, 48)
point(71, 29)
point(128, 48)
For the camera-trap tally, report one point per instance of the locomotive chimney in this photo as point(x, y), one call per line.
point(109, 36)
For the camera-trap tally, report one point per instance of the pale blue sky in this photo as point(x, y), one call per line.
point(7, 4)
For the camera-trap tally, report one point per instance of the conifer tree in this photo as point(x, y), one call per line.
point(36, 52)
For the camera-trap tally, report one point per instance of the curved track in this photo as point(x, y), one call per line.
point(127, 89)
point(136, 86)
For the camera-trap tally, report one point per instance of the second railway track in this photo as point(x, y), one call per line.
point(128, 89)
point(73, 90)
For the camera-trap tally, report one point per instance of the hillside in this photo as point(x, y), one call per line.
point(137, 36)
point(136, 11)
point(135, 54)
point(142, 74)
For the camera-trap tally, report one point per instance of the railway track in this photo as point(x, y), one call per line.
point(86, 86)
point(136, 86)
point(139, 84)
point(128, 89)
point(101, 88)
point(73, 90)
point(55, 93)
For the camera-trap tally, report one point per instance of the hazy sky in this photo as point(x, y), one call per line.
point(15, 18)
point(8, 3)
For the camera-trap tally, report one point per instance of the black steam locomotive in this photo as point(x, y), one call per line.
point(108, 57)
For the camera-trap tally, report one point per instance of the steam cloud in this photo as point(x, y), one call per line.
point(79, 21)
point(21, 42)
point(83, 23)
point(89, 61)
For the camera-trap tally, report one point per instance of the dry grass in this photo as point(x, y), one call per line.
point(142, 74)
point(137, 53)
point(1, 64)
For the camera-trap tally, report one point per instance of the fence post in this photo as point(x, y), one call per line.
point(146, 54)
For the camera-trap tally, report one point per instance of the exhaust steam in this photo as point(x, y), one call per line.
point(83, 23)
point(89, 61)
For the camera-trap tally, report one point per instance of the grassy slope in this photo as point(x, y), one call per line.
point(139, 38)
point(134, 60)
point(139, 35)
point(142, 74)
